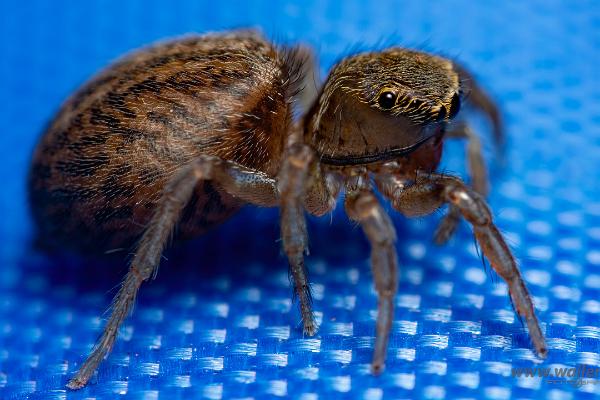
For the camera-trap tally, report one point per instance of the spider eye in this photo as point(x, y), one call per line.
point(386, 100)
point(441, 114)
point(454, 106)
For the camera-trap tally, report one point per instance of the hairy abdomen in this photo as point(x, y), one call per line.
point(101, 166)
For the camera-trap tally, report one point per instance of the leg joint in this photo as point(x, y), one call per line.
point(470, 204)
point(204, 166)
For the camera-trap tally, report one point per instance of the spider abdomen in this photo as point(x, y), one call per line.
point(105, 159)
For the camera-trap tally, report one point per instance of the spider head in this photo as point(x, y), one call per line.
point(378, 105)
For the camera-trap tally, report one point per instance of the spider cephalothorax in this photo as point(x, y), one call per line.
point(378, 106)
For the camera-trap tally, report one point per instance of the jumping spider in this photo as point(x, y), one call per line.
point(186, 132)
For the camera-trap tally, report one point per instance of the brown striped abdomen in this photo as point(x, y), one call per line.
point(101, 166)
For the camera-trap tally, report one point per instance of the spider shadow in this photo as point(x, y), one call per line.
point(246, 243)
point(245, 252)
point(251, 237)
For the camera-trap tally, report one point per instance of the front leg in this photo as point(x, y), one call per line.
point(429, 192)
point(479, 99)
point(362, 206)
point(302, 185)
point(475, 162)
point(477, 172)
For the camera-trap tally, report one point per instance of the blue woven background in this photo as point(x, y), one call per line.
point(219, 321)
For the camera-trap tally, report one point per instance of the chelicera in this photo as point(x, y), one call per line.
point(185, 132)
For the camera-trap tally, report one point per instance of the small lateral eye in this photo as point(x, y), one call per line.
point(387, 100)
point(441, 114)
point(454, 106)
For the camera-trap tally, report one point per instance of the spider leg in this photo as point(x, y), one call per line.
point(429, 192)
point(479, 99)
point(475, 161)
point(362, 206)
point(477, 171)
point(250, 185)
point(302, 185)
point(293, 176)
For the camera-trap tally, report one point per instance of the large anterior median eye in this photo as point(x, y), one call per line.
point(387, 99)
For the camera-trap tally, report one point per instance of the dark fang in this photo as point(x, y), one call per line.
point(387, 100)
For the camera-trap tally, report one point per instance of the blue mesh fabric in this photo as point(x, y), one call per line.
point(219, 321)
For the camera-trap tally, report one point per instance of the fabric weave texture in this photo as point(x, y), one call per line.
point(219, 322)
